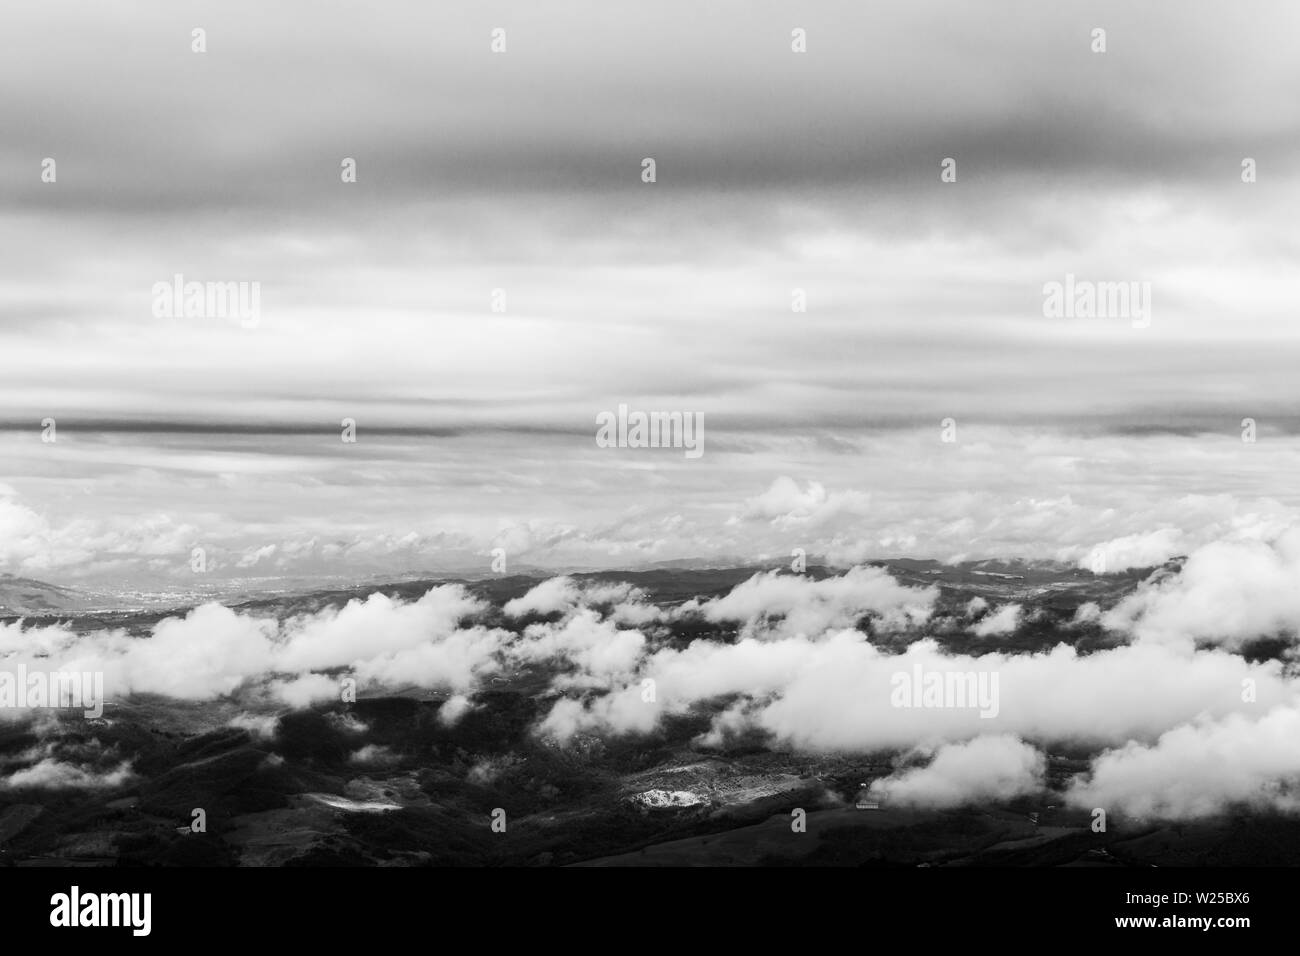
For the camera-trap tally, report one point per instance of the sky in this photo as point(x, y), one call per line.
point(521, 171)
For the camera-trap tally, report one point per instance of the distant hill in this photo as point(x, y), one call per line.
point(26, 596)
point(666, 583)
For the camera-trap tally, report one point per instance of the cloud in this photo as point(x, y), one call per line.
point(214, 651)
point(1134, 551)
point(623, 712)
point(835, 693)
point(599, 648)
point(799, 675)
point(1002, 621)
point(1228, 592)
point(823, 426)
point(209, 652)
point(261, 726)
point(1087, 613)
point(779, 604)
point(375, 626)
point(453, 709)
point(1200, 769)
point(459, 661)
point(31, 544)
point(548, 597)
point(374, 755)
point(305, 690)
point(785, 506)
point(53, 774)
point(996, 493)
point(988, 768)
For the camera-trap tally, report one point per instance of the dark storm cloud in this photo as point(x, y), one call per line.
point(141, 125)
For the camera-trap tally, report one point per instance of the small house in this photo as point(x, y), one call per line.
point(865, 801)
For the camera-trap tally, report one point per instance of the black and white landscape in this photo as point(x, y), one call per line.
point(743, 434)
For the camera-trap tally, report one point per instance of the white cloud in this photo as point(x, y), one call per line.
point(305, 690)
point(374, 755)
point(54, 774)
point(781, 604)
point(1228, 592)
point(453, 709)
point(989, 768)
point(1002, 621)
point(1134, 551)
point(785, 506)
point(1198, 769)
point(550, 596)
point(262, 726)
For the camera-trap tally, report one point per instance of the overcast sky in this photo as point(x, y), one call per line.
point(521, 171)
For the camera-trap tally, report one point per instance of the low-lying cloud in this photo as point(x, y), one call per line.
point(1168, 704)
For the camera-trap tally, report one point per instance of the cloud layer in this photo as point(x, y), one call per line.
point(1165, 706)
